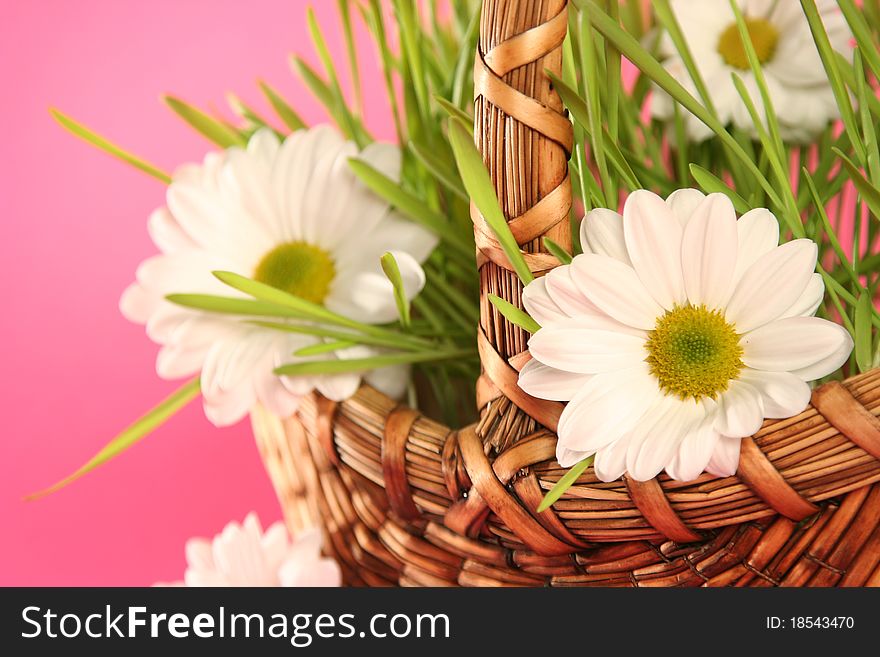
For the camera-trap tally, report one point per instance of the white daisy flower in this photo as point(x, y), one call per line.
point(796, 80)
point(243, 555)
point(291, 215)
point(675, 334)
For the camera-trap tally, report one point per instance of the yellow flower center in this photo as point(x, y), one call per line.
point(764, 39)
point(299, 268)
point(694, 352)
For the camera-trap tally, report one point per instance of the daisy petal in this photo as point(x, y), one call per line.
point(757, 233)
point(616, 289)
point(306, 546)
point(565, 294)
point(198, 554)
point(322, 573)
point(708, 251)
point(683, 202)
point(653, 240)
point(602, 232)
point(545, 382)
point(725, 458)
point(275, 543)
point(263, 147)
point(137, 304)
point(392, 381)
point(606, 408)
point(810, 300)
point(655, 440)
point(569, 457)
point(177, 362)
point(782, 393)
point(695, 450)
point(224, 409)
point(338, 387)
point(610, 462)
point(586, 350)
point(793, 344)
point(772, 285)
point(829, 364)
point(538, 304)
point(740, 411)
point(383, 157)
point(166, 233)
point(275, 396)
point(205, 578)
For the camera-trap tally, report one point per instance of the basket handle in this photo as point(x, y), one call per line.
point(525, 137)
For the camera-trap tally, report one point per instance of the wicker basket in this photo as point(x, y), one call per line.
point(407, 501)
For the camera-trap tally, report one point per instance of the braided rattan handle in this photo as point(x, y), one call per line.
point(525, 138)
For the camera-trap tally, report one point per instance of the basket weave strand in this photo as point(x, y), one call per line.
point(407, 501)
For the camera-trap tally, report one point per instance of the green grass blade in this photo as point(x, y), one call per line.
point(788, 203)
point(284, 111)
point(351, 51)
point(206, 125)
point(231, 305)
point(465, 302)
point(565, 482)
point(244, 111)
point(829, 61)
point(142, 427)
point(848, 75)
point(407, 18)
point(869, 129)
point(667, 19)
point(84, 133)
point(633, 18)
point(392, 273)
point(312, 311)
point(862, 33)
point(514, 315)
point(590, 70)
point(869, 193)
point(454, 111)
point(444, 173)
point(461, 78)
point(274, 296)
point(342, 366)
point(322, 331)
point(374, 18)
point(557, 251)
point(324, 348)
point(637, 54)
point(758, 72)
point(350, 123)
point(862, 324)
point(482, 192)
point(613, 81)
point(350, 127)
point(828, 230)
point(710, 184)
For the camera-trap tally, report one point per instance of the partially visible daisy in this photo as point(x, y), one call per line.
point(796, 80)
point(291, 215)
point(675, 334)
point(243, 555)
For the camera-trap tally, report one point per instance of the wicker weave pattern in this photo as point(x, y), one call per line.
point(407, 501)
point(838, 546)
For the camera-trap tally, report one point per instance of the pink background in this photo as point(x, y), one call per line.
point(74, 372)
